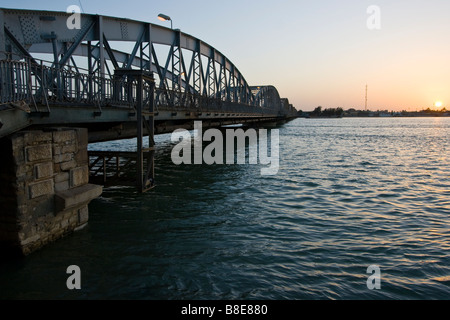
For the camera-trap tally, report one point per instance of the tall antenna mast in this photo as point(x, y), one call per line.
point(366, 96)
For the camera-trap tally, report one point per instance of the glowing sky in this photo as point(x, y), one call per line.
point(314, 52)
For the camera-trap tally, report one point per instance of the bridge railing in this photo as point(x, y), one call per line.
point(188, 101)
point(46, 84)
point(41, 84)
point(14, 81)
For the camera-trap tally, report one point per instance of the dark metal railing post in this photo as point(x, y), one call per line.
point(151, 130)
point(140, 82)
point(140, 133)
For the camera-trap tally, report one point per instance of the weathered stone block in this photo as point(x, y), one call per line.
point(60, 158)
point(62, 186)
point(64, 223)
point(62, 176)
point(70, 148)
point(39, 153)
point(81, 157)
point(57, 150)
point(64, 136)
point(37, 137)
point(43, 170)
point(41, 188)
point(83, 215)
point(79, 176)
point(77, 196)
point(42, 209)
point(29, 240)
point(24, 170)
point(66, 166)
point(73, 219)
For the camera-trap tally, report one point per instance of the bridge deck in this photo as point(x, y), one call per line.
point(85, 82)
point(36, 95)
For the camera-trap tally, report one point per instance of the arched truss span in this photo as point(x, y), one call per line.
point(267, 97)
point(182, 64)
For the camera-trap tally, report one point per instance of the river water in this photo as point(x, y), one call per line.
point(350, 193)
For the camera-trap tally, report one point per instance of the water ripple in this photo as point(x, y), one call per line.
point(350, 193)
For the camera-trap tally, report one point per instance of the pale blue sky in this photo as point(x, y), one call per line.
point(315, 52)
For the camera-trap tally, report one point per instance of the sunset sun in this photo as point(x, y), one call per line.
point(438, 104)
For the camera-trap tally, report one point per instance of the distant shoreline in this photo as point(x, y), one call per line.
point(396, 116)
point(377, 117)
point(333, 113)
point(373, 114)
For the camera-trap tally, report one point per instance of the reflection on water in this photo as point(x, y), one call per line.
point(350, 193)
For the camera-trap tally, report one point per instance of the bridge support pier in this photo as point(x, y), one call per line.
point(45, 190)
point(144, 83)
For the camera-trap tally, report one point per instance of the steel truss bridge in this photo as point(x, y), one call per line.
point(120, 78)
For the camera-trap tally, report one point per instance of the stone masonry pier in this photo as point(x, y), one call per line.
point(44, 188)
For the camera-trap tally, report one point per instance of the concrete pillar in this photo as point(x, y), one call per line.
point(44, 189)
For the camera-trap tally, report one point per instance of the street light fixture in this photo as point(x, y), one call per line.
point(163, 17)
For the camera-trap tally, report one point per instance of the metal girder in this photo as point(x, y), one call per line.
point(267, 97)
point(189, 72)
point(23, 51)
point(30, 31)
point(111, 91)
point(68, 54)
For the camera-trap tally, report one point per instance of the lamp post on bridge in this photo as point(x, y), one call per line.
point(164, 17)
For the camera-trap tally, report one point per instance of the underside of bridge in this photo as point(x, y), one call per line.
point(68, 79)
